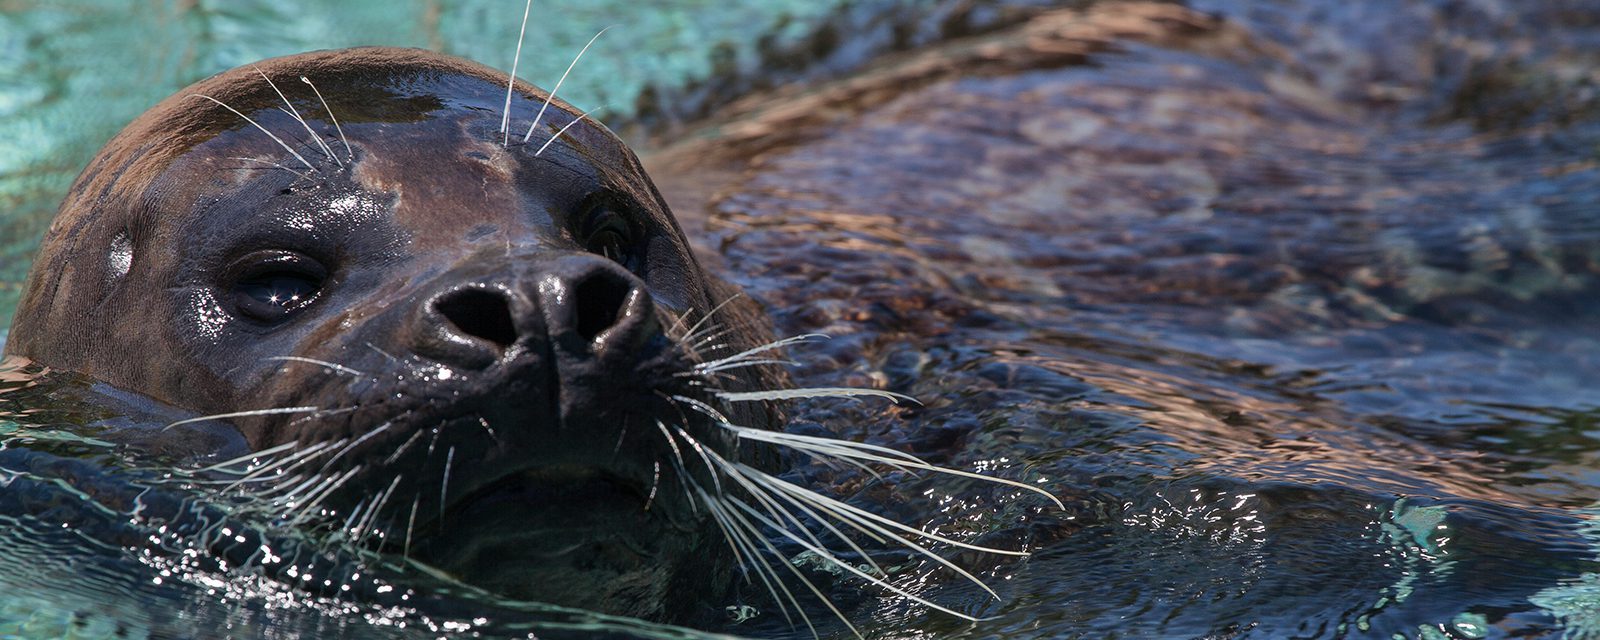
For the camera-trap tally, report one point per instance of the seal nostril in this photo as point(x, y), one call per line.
point(479, 313)
point(599, 300)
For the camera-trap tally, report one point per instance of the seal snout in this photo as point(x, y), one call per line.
point(579, 305)
point(593, 305)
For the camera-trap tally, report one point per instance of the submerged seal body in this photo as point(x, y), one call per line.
point(482, 350)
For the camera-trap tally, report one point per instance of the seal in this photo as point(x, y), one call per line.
point(485, 349)
point(451, 333)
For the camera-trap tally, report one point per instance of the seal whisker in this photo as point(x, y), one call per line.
point(433, 439)
point(792, 569)
point(350, 521)
point(713, 333)
point(751, 484)
point(323, 363)
point(703, 319)
point(878, 523)
point(257, 125)
point(775, 344)
point(225, 466)
point(866, 523)
point(381, 352)
point(365, 523)
point(781, 513)
point(287, 463)
point(444, 486)
point(411, 525)
point(485, 424)
point(677, 459)
point(303, 175)
point(812, 392)
point(563, 129)
point(862, 451)
point(295, 113)
point(292, 492)
point(823, 552)
point(703, 408)
point(315, 498)
point(321, 414)
point(350, 154)
point(505, 113)
point(356, 443)
point(242, 414)
point(694, 444)
point(398, 451)
point(655, 484)
point(751, 556)
point(699, 336)
point(552, 94)
point(738, 365)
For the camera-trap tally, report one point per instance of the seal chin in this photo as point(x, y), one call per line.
point(575, 536)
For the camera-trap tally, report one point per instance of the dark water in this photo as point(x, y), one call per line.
point(1296, 311)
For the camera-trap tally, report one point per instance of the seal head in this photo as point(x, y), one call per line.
point(463, 347)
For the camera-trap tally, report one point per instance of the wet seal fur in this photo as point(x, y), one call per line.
point(463, 347)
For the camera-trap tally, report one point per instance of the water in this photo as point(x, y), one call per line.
point(1295, 312)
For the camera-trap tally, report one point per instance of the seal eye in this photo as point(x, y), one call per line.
point(608, 235)
point(268, 286)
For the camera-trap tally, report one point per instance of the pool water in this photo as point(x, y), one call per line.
point(1294, 305)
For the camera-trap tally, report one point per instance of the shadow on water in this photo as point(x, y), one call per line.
point(1292, 304)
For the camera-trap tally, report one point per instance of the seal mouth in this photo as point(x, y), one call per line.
point(568, 522)
point(557, 495)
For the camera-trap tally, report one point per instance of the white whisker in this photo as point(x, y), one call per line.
point(287, 463)
point(701, 451)
point(415, 435)
point(677, 461)
point(323, 363)
point(364, 437)
point(303, 175)
point(705, 318)
point(775, 344)
point(366, 522)
point(315, 498)
point(874, 525)
point(792, 569)
point(505, 113)
point(813, 392)
point(249, 457)
point(862, 451)
point(257, 125)
point(350, 155)
point(737, 365)
point(411, 524)
point(444, 487)
point(295, 113)
point(837, 506)
point(551, 96)
point(762, 568)
point(243, 414)
point(557, 136)
point(853, 570)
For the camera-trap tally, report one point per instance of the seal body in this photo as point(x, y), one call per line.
point(481, 347)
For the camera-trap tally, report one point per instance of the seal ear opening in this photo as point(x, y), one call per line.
point(479, 313)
